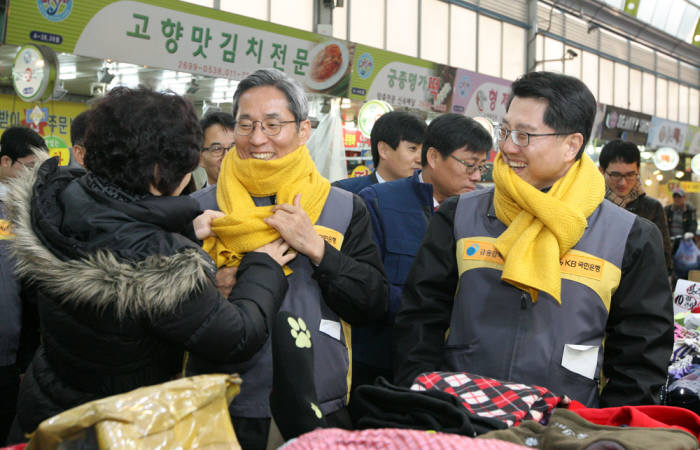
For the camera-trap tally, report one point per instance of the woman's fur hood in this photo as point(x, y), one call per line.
point(153, 286)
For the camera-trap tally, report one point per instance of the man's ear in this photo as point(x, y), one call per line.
point(5, 161)
point(433, 156)
point(382, 149)
point(304, 132)
point(602, 171)
point(574, 142)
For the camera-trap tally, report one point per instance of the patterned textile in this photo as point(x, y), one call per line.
point(686, 347)
point(509, 402)
point(390, 439)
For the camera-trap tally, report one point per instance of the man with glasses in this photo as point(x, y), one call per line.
point(540, 280)
point(271, 192)
point(218, 139)
point(619, 162)
point(455, 149)
point(17, 147)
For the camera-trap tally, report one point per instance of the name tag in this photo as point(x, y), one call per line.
point(481, 251)
point(584, 266)
point(333, 237)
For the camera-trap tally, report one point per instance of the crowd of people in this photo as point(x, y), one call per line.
point(557, 276)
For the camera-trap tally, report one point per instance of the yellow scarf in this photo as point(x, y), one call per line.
point(543, 226)
point(243, 229)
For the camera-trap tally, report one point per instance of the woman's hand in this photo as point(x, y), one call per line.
point(277, 249)
point(202, 223)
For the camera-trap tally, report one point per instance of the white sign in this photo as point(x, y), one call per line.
point(666, 158)
point(686, 296)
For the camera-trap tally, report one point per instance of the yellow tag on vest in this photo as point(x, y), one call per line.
point(584, 266)
point(335, 238)
point(481, 251)
point(6, 230)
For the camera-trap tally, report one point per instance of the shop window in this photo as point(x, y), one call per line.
point(590, 75)
point(513, 51)
point(620, 94)
point(462, 38)
point(635, 100)
point(434, 31)
point(402, 26)
point(648, 94)
point(661, 98)
point(366, 22)
point(296, 14)
point(606, 80)
point(489, 46)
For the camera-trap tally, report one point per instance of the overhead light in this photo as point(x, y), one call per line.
point(647, 182)
point(657, 171)
point(660, 177)
point(679, 174)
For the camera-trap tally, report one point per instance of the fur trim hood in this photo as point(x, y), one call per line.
point(151, 287)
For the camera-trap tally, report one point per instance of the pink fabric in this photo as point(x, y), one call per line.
point(390, 439)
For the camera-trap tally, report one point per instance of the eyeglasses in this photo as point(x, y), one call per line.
point(471, 168)
point(28, 165)
point(218, 149)
point(520, 138)
point(617, 176)
point(270, 127)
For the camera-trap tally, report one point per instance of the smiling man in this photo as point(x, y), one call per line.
point(453, 157)
point(270, 190)
point(540, 280)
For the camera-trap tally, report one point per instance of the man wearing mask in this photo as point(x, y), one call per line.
point(270, 189)
point(532, 277)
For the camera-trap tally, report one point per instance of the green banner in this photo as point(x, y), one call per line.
point(171, 34)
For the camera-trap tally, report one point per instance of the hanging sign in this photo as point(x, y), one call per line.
point(34, 72)
point(666, 158)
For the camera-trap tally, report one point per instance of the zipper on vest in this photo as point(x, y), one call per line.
point(524, 297)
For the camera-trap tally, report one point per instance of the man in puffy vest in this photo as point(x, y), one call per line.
point(540, 280)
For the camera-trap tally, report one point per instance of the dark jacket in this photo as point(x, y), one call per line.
point(651, 209)
point(638, 331)
point(124, 291)
point(400, 212)
point(690, 220)
point(356, 184)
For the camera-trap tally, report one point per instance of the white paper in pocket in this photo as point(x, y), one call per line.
point(331, 328)
point(581, 359)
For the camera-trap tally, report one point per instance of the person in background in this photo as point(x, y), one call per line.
point(396, 140)
point(19, 334)
point(125, 288)
point(218, 139)
point(533, 276)
point(77, 136)
point(454, 152)
point(681, 216)
point(271, 191)
point(619, 162)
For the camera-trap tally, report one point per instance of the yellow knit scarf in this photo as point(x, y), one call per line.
point(543, 226)
point(243, 229)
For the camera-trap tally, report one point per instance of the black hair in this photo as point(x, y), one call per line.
point(133, 131)
point(394, 127)
point(224, 119)
point(449, 132)
point(619, 150)
point(78, 127)
point(571, 106)
point(18, 142)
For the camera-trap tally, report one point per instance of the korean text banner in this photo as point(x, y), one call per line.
point(174, 35)
point(667, 133)
point(401, 80)
point(476, 94)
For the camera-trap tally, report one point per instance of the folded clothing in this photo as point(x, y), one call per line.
point(383, 405)
point(566, 430)
point(488, 397)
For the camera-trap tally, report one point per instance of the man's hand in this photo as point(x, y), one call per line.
point(202, 223)
point(277, 249)
point(296, 229)
point(225, 279)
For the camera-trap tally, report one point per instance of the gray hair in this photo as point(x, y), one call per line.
point(298, 103)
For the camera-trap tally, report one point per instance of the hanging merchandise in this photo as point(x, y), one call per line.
point(695, 164)
point(666, 158)
point(330, 162)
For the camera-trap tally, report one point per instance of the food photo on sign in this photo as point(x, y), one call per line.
point(330, 67)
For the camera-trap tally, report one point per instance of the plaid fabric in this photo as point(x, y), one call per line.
point(509, 402)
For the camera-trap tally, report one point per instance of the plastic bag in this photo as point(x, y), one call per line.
point(186, 413)
point(686, 258)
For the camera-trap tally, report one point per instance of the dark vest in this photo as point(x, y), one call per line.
point(497, 331)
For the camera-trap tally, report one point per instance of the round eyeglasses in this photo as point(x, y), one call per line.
point(218, 149)
point(471, 168)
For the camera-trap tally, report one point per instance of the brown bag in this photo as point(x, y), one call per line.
point(185, 413)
